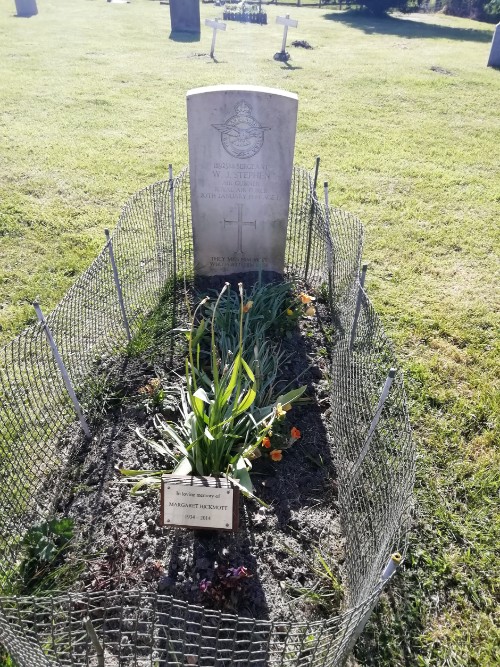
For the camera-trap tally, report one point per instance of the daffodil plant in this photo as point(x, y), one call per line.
point(222, 425)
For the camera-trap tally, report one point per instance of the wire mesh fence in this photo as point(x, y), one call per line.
point(374, 454)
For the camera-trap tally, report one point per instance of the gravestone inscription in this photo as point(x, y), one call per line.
point(241, 146)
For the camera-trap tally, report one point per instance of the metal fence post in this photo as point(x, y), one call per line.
point(359, 301)
point(311, 218)
point(374, 422)
point(329, 248)
point(62, 369)
point(90, 630)
point(172, 219)
point(109, 243)
point(390, 568)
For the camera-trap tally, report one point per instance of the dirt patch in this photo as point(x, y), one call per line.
point(284, 562)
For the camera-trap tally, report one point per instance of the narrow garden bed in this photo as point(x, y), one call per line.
point(285, 561)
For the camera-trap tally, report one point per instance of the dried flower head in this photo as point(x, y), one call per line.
point(311, 311)
point(279, 411)
point(247, 306)
point(306, 298)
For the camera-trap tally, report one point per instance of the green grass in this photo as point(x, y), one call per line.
point(92, 108)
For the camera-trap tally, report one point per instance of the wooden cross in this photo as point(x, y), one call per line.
point(216, 26)
point(286, 22)
point(240, 222)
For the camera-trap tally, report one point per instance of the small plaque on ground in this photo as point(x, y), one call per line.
point(209, 503)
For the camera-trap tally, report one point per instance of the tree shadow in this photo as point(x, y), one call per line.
point(409, 28)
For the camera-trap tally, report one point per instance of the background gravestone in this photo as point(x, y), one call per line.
point(185, 16)
point(241, 146)
point(26, 8)
point(494, 57)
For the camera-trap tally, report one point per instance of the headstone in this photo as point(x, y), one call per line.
point(494, 59)
point(26, 8)
point(185, 16)
point(241, 146)
point(215, 25)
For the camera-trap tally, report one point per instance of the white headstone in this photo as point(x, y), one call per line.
point(494, 58)
point(241, 146)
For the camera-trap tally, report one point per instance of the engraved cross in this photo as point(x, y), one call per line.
point(240, 222)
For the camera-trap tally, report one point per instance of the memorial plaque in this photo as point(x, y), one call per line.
point(241, 146)
point(209, 503)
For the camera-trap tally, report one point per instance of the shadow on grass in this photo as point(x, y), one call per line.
point(184, 36)
point(400, 27)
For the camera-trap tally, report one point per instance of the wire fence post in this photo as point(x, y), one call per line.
point(359, 301)
point(392, 565)
point(109, 243)
point(159, 221)
point(90, 630)
point(311, 219)
point(329, 249)
point(62, 369)
point(172, 218)
point(374, 422)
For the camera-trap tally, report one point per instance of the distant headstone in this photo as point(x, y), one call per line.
point(241, 146)
point(26, 8)
point(185, 16)
point(494, 59)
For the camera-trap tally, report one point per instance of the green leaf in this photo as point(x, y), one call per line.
point(247, 401)
point(183, 468)
point(234, 378)
point(291, 396)
point(248, 370)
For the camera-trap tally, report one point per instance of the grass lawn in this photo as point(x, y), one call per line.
point(405, 116)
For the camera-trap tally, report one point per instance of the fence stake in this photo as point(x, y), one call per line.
point(62, 369)
point(117, 284)
point(359, 301)
point(375, 421)
point(392, 565)
point(95, 641)
point(311, 219)
point(172, 218)
point(329, 248)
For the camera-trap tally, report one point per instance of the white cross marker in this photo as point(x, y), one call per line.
point(216, 26)
point(286, 22)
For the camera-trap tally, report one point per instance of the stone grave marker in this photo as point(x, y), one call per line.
point(185, 16)
point(241, 146)
point(494, 57)
point(26, 8)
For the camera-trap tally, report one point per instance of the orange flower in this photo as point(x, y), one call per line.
point(266, 442)
point(305, 298)
point(295, 433)
point(276, 455)
point(247, 306)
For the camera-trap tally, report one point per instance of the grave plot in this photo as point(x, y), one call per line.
point(280, 389)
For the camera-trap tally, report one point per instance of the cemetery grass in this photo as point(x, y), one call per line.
point(404, 114)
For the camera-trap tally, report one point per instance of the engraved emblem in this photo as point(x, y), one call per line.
point(242, 136)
